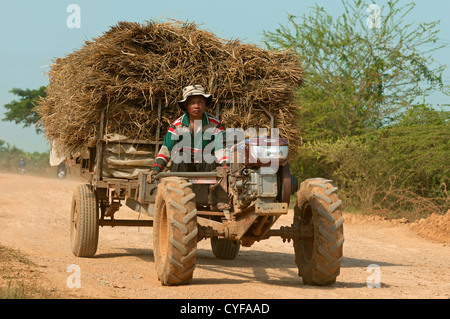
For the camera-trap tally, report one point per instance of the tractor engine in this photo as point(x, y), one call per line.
point(260, 173)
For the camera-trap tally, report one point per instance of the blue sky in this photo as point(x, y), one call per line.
point(33, 33)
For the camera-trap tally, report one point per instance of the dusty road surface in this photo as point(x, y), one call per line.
point(34, 218)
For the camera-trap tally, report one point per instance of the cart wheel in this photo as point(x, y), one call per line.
point(225, 248)
point(84, 226)
point(317, 214)
point(175, 232)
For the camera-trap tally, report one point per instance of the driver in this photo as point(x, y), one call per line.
point(195, 121)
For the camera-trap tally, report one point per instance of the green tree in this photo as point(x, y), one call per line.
point(359, 77)
point(23, 111)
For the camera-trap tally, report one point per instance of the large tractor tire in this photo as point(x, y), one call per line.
point(175, 232)
point(318, 222)
point(84, 228)
point(225, 248)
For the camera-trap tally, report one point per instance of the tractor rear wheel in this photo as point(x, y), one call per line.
point(84, 227)
point(318, 222)
point(175, 232)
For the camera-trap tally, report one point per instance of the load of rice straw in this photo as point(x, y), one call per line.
point(127, 69)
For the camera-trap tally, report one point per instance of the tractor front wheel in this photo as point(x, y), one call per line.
point(318, 222)
point(175, 232)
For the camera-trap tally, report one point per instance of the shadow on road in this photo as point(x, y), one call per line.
point(273, 268)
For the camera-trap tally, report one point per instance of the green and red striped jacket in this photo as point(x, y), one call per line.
point(180, 138)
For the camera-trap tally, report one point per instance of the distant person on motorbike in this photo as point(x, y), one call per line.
point(62, 170)
point(21, 166)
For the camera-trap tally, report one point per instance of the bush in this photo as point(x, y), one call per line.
point(401, 169)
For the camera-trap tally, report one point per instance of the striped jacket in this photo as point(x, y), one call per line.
point(180, 144)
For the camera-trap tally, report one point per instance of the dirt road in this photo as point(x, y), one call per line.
point(34, 217)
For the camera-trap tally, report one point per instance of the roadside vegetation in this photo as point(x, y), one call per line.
point(19, 277)
point(398, 171)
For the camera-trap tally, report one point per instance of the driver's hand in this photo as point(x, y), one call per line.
point(150, 177)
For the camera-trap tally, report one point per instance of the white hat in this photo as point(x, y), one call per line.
point(194, 90)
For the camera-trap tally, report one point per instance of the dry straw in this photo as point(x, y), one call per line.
point(127, 69)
